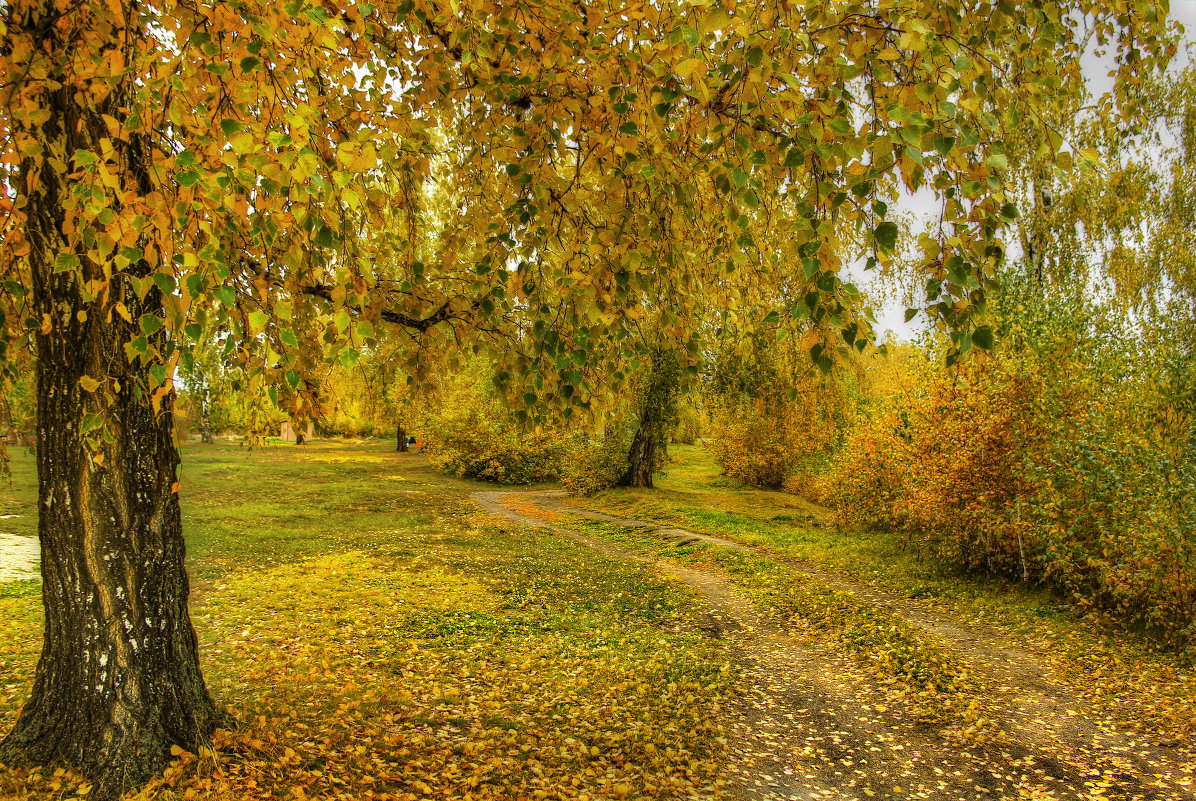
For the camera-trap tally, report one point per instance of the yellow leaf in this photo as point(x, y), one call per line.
point(89, 384)
point(123, 311)
point(691, 67)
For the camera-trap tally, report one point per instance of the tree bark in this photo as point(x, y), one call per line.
point(401, 439)
point(205, 414)
point(641, 456)
point(118, 682)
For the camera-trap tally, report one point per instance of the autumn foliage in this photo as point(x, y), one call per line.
point(472, 435)
point(1043, 463)
point(773, 412)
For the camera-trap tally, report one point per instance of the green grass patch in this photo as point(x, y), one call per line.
point(374, 633)
point(1101, 658)
point(920, 666)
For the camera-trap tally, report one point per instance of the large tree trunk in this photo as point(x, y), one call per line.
point(118, 682)
point(641, 456)
point(400, 439)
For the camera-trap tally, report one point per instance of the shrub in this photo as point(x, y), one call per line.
point(1040, 463)
point(756, 442)
point(592, 466)
point(470, 444)
point(472, 435)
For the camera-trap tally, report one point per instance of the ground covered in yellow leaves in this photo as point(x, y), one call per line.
point(377, 637)
point(381, 631)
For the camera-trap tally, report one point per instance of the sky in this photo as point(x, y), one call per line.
point(891, 317)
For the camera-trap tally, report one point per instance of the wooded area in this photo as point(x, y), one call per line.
point(551, 242)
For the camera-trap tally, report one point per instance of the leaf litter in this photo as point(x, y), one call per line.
point(872, 736)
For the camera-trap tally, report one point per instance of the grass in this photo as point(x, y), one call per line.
point(378, 637)
point(920, 667)
point(1101, 660)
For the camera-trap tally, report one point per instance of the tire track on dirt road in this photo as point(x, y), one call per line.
point(811, 725)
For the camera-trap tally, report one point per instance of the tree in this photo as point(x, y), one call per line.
point(173, 168)
point(656, 415)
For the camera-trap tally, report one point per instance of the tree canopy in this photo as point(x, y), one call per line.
point(550, 174)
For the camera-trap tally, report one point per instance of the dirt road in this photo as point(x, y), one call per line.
point(813, 724)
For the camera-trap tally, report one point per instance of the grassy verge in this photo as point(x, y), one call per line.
point(1102, 661)
point(377, 637)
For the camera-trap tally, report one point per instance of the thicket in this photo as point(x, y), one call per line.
point(595, 463)
point(1064, 459)
point(773, 415)
point(472, 434)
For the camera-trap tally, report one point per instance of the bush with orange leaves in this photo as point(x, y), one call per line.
point(1042, 463)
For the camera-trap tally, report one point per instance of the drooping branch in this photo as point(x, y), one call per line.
point(421, 324)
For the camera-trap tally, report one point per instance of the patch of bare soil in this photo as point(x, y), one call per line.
point(813, 725)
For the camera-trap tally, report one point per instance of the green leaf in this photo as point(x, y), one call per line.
point(225, 294)
point(89, 384)
point(258, 320)
point(998, 162)
point(91, 422)
point(230, 126)
point(983, 337)
point(325, 237)
point(65, 261)
point(842, 126)
point(690, 36)
point(195, 285)
point(249, 63)
point(910, 314)
point(292, 378)
point(287, 337)
point(165, 283)
point(151, 324)
point(772, 318)
point(755, 56)
point(886, 236)
point(365, 330)
point(85, 158)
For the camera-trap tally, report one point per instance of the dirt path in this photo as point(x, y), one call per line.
point(813, 726)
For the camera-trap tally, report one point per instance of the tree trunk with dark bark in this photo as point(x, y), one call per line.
point(118, 682)
point(641, 456)
point(400, 439)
